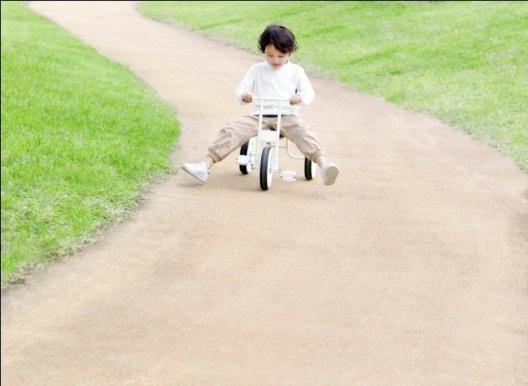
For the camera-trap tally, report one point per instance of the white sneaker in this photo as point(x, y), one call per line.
point(197, 169)
point(329, 173)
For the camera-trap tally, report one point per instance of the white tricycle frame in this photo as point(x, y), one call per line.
point(262, 152)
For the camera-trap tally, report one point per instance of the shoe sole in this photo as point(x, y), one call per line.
point(193, 174)
point(330, 175)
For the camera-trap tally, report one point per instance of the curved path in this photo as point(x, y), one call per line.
point(410, 270)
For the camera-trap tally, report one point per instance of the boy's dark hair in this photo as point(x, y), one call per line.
point(281, 37)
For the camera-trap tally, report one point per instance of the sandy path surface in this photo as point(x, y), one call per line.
point(410, 270)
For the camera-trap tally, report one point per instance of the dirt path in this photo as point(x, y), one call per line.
point(411, 270)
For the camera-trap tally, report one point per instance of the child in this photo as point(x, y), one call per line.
point(277, 76)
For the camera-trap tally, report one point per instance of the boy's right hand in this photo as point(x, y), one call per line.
point(247, 97)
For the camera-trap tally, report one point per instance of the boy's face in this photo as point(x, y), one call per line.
point(274, 57)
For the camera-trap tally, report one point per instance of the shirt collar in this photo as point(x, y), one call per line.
point(269, 65)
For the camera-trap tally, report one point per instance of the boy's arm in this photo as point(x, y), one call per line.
point(304, 88)
point(246, 85)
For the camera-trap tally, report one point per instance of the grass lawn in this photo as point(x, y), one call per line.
point(465, 63)
point(81, 138)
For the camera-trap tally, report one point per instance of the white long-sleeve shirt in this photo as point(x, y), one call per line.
point(264, 80)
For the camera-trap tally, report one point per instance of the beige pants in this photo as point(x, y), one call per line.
point(237, 132)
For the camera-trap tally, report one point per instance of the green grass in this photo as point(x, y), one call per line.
point(465, 63)
point(81, 138)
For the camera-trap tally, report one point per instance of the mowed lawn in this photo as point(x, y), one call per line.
point(81, 138)
point(465, 63)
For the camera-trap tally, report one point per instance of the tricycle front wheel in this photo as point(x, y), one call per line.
point(310, 169)
point(266, 168)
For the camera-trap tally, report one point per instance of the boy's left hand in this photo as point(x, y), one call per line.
point(295, 100)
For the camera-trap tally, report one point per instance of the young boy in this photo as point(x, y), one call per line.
point(277, 76)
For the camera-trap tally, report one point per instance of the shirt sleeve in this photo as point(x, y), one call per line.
point(246, 85)
point(304, 88)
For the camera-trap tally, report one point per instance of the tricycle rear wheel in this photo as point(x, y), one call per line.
point(244, 151)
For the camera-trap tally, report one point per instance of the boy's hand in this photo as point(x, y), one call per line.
point(295, 100)
point(247, 97)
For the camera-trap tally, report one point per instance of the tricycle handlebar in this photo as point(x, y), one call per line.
point(270, 99)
